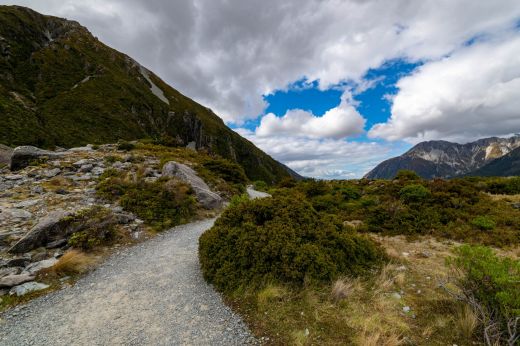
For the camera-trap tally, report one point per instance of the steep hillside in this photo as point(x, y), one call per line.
point(60, 86)
point(507, 165)
point(445, 159)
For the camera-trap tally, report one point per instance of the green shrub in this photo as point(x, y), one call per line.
point(491, 285)
point(237, 199)
point(126, 146)
point(260, 185)
point(506, 186)
point(414, 193)
point(93, 227)
point(229, 171)
point(161, 204)
point(405, 174)
point(484, 223)
point(282, 239)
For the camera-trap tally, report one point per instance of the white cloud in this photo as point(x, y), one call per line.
point(473, 93)
point(227, 54)
point(339, 122)
point(323, 158)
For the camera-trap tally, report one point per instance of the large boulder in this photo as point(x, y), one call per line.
point(51, 228)
point(207, 198)
point(5, 154)
point(22, 156)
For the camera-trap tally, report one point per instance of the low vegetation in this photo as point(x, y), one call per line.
point(162, 203)
point(280, 262)
point(281, 240)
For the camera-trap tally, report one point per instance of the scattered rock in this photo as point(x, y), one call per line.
point(86, 168)
point(396, 295)
point(35, 267)
point(48, 229)
point(27, 287)
point(14, 280)
point(14, 214)
point(27, 203)
point(207, 198)
point(406, 309)
point(56, 243)
point(22, 156)
point(51, 173)
point(17, 262)
point(9, 271)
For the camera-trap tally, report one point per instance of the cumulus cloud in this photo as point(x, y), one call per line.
point(339, 122)
point(323, 158)
point(227, 54)
point(473, 93)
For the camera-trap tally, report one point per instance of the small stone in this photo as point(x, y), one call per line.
point(14, 280)
point(406, 309)
point(405, 254)
point(51, 172)
point(86, 168)
point(33, 268)
point(396, 295)
point(27, 287)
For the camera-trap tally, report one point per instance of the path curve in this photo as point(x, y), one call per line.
point(149, 294)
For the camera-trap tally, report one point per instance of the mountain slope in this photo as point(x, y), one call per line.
point(445, 159)
point(60, 86)
point(507, 165)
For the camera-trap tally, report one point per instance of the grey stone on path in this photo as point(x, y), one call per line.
point(150, 294)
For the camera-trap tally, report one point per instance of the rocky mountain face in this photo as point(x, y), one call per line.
point(442, 159)
point(60, 86)
point(505, 166)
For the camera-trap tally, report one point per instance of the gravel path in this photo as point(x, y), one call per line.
point(253, 194)
point(149, 294)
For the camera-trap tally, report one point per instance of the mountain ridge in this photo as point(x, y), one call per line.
point(443, 159)
point(61, 86)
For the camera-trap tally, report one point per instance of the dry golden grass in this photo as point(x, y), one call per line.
point(269, 294)
point(467, 322)
point(343, 288)
point(74, 262)
point(378, 339)
point(507, 198)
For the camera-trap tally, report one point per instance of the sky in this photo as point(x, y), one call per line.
point(329, 87)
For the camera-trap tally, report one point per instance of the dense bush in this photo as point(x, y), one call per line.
point(491, 285)
point(126, 146)
point(414, 193)
point(507, 186)
point(93, 227)
point(282, 239)
point(163, 203)
point(483, 223)
point(229, 171)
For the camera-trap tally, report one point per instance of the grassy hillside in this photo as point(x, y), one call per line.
point(61, 86)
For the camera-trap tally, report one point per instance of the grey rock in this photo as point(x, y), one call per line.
point(22, 156)
point(13, 177)
point(56, 243)
point(14, 214)
point(86, 168)
point(27, 203)
point(86, 148)
point(50, 173)
point(35, 267)
point(48, 229)
point(9, 271)
point(97, 170)
point(27, 287)
point(14, 280)
point(17, 262)
point(406, 309)
point(117, 165)
point(207, 198)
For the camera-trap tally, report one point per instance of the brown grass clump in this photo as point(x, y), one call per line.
point(59, 181)
point(343, 288)
point(379, 339)
point(467, 322)
point(74, 262)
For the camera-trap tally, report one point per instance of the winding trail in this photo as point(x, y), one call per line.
point(149, 294)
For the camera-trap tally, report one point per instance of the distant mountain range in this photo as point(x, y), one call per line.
point(61, 86)
point(441, 159)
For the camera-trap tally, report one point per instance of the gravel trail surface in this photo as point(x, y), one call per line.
point(149, 294)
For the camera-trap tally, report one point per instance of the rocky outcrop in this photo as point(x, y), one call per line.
point(23, 156)
point(51, 228)
point(207, 198)
point(442, 159)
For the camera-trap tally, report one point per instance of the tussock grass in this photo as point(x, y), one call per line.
point(73, 262)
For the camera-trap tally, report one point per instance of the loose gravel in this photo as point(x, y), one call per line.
point(149, 294)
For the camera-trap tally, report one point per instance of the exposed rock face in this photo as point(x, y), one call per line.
point(207, 198)
point(51, 228)
point(22, 156)
point(507, 165)
point(441, 159)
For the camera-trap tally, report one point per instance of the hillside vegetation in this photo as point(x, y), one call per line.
point(373, 262)
point(60, 86)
